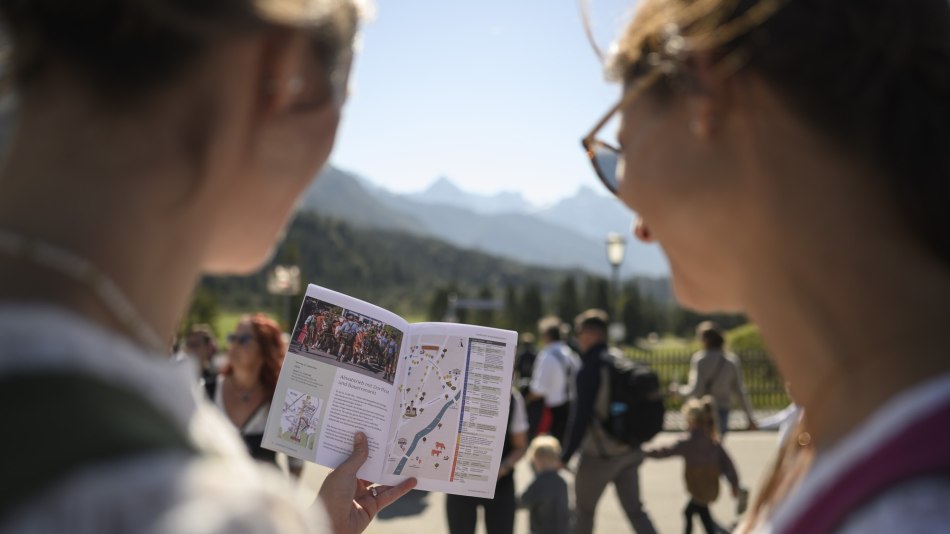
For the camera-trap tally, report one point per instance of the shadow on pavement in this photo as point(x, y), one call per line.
point(412, 503)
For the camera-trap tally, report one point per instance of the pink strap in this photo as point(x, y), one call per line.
point(922, 449)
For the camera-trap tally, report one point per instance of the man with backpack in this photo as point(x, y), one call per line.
point(619, 406)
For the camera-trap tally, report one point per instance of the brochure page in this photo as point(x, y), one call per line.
point(450, 413)
point(337, 379)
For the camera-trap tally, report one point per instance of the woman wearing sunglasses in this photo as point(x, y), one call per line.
point(245, 386)
point(154, 141)
point(792, 158)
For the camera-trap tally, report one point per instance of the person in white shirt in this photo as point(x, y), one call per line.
point(552, 379)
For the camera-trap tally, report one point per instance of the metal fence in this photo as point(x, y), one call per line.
point(765, 386)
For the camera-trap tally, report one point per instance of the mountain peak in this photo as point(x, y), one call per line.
point(586, 191)
point(443, 186)
point(445, 191)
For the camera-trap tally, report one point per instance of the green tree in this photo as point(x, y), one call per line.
point(746, 338)
point(533, 307)
point(568, 305)
point(512, 313)
point(597, 294)
point(631, 313)
point(288, 254)
point(203, 309)
point(485, 317)
point(439, 304)
point(655, 317)
point(462, 313)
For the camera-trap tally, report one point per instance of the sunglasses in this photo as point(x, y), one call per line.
point(243, 339)
point(606, 157)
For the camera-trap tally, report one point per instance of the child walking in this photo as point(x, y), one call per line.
point(705, 461)
point(546, 497)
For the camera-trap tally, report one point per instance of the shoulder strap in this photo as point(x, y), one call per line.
point(922, 449)
point(715, 375)
point(565, 361)
point(62, 422)
point(211, 386)
point(603, 362)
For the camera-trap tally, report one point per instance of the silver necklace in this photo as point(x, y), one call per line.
point(244, 394)
point(83, 271)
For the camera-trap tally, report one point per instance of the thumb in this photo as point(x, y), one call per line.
point(358, 457)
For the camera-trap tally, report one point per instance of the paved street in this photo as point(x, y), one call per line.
point(661, 482)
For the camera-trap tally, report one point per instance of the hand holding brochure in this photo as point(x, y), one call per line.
point(432, 398)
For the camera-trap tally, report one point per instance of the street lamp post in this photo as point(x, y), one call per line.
point(616, 248)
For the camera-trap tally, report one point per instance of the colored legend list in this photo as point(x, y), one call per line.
point(479, 441)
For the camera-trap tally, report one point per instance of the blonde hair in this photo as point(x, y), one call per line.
point(790, 466)
point(545, 449)
point(665, 33)
point(701, 413)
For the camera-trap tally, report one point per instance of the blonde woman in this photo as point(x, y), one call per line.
point(790, 156)
point(155, 140)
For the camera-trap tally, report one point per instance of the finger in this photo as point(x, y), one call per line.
point(386, 495)
point(362, 488)
point(360, 452)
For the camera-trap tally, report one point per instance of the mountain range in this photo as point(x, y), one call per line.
point(567, 235)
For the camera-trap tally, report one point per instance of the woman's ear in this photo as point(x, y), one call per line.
point(708, 101)
point(282, 64)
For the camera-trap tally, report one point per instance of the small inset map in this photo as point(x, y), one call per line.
point(428, 405)
point(299, 419)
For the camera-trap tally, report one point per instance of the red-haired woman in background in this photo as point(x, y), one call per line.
point(244, 388)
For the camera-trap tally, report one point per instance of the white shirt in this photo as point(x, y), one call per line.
point(219, 490)
point(549, 378)
point(518, 418)
point(258, 420)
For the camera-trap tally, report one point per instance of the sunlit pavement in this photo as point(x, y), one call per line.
point(661, 485)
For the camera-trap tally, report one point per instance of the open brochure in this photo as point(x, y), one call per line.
point(432, 398)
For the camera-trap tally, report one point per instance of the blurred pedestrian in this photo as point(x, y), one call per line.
point(244, 388)
point(717, 372)
point(499, 512)
point(604, 459)
point(705, 461)
point(552, 379)
point(547, 496)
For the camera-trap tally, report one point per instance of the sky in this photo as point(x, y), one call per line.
point(493, 94)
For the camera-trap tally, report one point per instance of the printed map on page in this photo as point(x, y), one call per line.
point(425, 442)
point(300, 418)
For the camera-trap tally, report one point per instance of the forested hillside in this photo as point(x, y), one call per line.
point(395, 270)
point(414, 276)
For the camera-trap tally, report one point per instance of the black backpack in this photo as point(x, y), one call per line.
point(635, 409)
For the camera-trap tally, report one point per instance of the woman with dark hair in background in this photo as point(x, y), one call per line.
point(792, 157)
point(154, 141)
point(716, 372)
